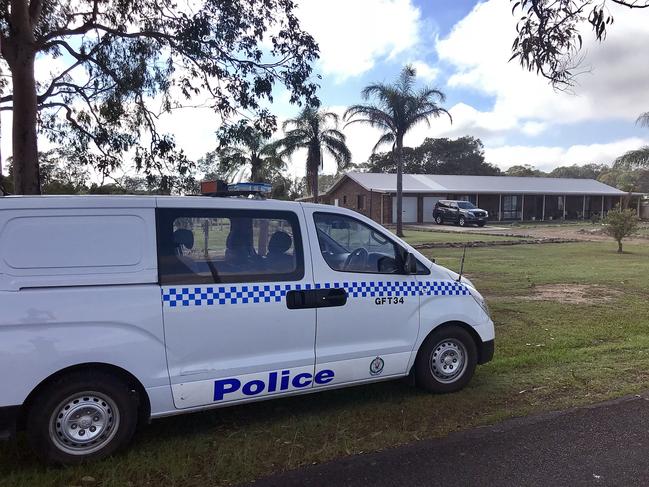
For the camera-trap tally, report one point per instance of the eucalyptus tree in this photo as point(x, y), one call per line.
point(117, 65)
point(549, 34)
point(395, 109)
point(315, 131)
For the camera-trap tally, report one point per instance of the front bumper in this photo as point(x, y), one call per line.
point(486, 352)
point(477, 219)
point(8, 419)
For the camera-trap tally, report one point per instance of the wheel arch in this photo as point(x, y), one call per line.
point(460, 324)
point(144, 403)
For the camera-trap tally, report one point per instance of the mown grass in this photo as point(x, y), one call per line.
point(548, 356)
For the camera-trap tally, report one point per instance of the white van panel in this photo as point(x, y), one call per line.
point(73, 241)
point(67, 247)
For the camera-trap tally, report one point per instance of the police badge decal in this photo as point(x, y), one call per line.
point(376, 366)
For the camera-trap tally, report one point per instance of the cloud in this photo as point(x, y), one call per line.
point(425, 71)
point(547, 158)
point(477, 51)
point(354, 35)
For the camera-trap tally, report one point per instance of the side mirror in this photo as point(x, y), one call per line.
point(410, 264)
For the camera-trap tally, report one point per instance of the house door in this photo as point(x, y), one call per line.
point(429, 205)
point(408, 209)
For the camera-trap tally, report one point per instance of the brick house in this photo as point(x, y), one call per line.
point(504, 197)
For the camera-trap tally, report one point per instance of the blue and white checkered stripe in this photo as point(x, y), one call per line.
point(274, 293)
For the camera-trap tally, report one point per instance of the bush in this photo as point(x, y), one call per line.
point(620, 224)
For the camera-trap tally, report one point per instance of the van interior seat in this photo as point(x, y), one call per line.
point(277, 258)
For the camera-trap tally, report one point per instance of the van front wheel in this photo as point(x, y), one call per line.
point(446, 360)
point(81, 417)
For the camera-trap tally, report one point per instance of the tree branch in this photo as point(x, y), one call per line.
point(633, 4)
point(35, 9)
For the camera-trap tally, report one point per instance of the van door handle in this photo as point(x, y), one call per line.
point(316, 298)
point(332, 297)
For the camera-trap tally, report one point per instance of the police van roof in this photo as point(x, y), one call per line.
point(139, 201)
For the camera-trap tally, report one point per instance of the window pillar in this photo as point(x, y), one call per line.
point(543, 211)
point(583, 211)
point(522, 206)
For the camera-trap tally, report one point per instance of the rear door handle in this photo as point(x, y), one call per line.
point(316, 298)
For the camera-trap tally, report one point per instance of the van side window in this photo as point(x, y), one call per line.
point(228, 246)
point(349, 245)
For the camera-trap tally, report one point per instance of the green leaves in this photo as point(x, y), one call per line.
point(396, 107)
point(548, 40)
point(132, 61)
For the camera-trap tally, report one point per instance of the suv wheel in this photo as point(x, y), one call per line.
point(82, 416)
point(462, 221)
point(446, 360)
point(438, 219)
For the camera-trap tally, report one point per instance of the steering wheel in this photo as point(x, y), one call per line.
point(357, 257)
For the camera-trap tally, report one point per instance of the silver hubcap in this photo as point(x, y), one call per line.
point(448, 360)
point(84, 423)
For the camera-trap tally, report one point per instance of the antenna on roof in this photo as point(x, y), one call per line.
point(459, 277)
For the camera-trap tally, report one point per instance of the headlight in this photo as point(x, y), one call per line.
point(479, 299)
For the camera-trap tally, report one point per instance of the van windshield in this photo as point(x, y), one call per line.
point(466, 205)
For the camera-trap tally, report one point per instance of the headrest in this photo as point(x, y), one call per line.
point(184, 237)
point(279, 243)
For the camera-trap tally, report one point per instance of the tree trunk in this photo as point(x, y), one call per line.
point(619, 246)
point(255, 176)
point(19, 52)
point(313, 165)
point(399, 157)
point(255, 169)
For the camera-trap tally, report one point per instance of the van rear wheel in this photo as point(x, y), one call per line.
point(82, 416)
point(446, 360)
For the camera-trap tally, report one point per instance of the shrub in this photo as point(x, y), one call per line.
point(620, 224)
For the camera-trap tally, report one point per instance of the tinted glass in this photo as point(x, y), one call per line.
point(465, 205)
point(215, 246)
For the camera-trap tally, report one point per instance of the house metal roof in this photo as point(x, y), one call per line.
point(452, 184)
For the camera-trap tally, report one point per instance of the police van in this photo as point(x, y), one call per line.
point(115, 310)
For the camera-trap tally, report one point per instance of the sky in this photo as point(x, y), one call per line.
point(462, 48)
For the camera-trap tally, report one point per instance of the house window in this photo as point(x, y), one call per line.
point(360, 201)
point(510, 207)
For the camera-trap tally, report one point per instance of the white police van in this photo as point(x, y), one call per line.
point(118, 309)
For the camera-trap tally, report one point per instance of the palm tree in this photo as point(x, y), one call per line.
point(253, 152)
point(317, 132)
point(395, 109)
point(639, 157)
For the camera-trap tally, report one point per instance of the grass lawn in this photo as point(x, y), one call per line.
point(548, 356)
point(414, 237)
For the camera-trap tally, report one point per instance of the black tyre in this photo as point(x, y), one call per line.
point(446, 360)
point(481, 224)
point(461, 221)
point(439, 220)
point(82, 416)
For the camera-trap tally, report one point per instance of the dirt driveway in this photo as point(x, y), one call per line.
point(568, 231)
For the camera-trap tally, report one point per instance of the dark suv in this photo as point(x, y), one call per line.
point(462, 213)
